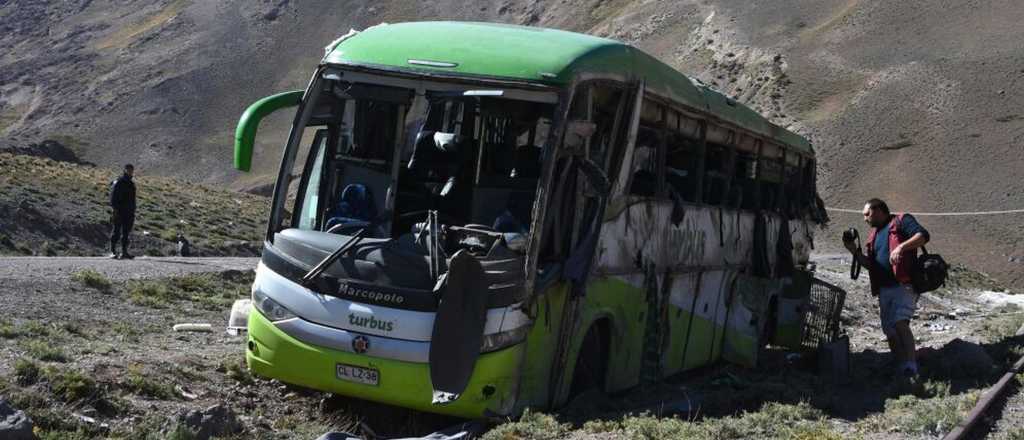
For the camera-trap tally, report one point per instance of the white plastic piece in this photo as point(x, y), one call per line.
point(239, 318)
point(193, 327)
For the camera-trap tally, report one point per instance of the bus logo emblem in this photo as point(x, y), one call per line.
point(360, 344)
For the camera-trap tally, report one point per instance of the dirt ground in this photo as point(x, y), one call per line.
point(97, 335)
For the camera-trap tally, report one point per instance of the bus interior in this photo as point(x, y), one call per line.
point(472, 156)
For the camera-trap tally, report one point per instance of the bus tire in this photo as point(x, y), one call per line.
point(592, 362)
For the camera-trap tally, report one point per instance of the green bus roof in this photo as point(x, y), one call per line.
point(537, 55)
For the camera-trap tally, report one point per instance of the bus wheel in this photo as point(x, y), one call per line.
point(592, 363)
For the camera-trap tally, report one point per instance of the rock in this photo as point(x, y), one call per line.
point(215, 421)
point(272, 14)
point(50, 149)
point(960, 358)
point(14, 423)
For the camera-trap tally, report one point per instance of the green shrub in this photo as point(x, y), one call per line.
point(150, 294)
point(911, 414)
point(93, 279)
point(8, 330)
point(44, 350)
point(237, 371)
point(140, 384)
point(26, 372)
point(71, 386)
point(531, 426)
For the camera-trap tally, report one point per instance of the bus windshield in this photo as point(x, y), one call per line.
point(383, 157)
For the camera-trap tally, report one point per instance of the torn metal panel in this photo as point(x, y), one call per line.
point(725, 311)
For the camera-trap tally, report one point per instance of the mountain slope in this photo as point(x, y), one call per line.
point(912, 101)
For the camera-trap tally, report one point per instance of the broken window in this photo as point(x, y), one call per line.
point(769, 175)
point(745, 180)
point(718, 175)
point(644, 175)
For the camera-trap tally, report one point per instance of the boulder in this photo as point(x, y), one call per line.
point(215, 421)
point(14, 423)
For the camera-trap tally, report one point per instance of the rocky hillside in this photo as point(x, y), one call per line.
point(54, 208)
point(913, 101)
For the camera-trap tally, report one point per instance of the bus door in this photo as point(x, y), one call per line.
point(595, 141)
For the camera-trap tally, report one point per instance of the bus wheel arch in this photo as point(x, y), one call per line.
point(591, 366)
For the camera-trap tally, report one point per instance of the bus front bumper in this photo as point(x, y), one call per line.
point(274, 354)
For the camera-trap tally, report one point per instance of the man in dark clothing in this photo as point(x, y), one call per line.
point(122, 202)
point(891, 255)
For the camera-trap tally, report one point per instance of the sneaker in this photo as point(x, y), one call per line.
point(112, 256)
point(908, 370)
point(127, 256)
point(909, 373)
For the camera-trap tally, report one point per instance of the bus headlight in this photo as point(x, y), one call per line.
point(497, 341)
point(270, 308)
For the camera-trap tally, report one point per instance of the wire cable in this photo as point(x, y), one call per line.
point(940, 214)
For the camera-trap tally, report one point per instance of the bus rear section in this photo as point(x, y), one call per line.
point(394, 265)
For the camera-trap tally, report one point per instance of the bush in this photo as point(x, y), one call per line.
point(44, 351)
point(150, 294)
point(237, 371)
point(26, 372)
point(8, 330)
point(139, 384)
point(71, 386)
point(93, 279)
point(911, 414)
point(531, 426)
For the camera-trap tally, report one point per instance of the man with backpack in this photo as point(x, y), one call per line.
point(891, 260)
point(122, 204)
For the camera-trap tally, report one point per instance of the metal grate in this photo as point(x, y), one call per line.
point(821, 325)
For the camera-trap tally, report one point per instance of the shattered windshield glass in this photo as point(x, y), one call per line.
point(386, 156)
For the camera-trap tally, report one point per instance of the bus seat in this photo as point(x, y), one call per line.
point(356, 204)
point(517, 214)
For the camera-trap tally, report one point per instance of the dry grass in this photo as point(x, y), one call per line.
point(127, 35)
point(93, 279)
point(213, 220)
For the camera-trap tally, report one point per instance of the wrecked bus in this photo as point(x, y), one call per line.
point(471, 219)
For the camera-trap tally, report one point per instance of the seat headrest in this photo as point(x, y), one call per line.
point(447, 142)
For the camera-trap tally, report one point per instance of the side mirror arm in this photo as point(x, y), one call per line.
point(245, 133)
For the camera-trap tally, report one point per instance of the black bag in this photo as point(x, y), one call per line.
point(929, 273)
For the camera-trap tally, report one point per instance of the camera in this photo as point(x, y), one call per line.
point(850, 235)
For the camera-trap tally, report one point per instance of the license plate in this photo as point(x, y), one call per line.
point(352, 373)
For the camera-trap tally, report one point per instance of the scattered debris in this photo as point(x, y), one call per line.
point(193, 327)
point(185, 393)
point(897, 146)
point(239, 318)
point(14, 423)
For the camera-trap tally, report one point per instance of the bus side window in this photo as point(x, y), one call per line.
point(744, 180)
point(717, 175)
point(680, 166)
point(605, 112)
point(644, 176)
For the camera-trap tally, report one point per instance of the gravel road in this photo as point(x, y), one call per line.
point(31, 268)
